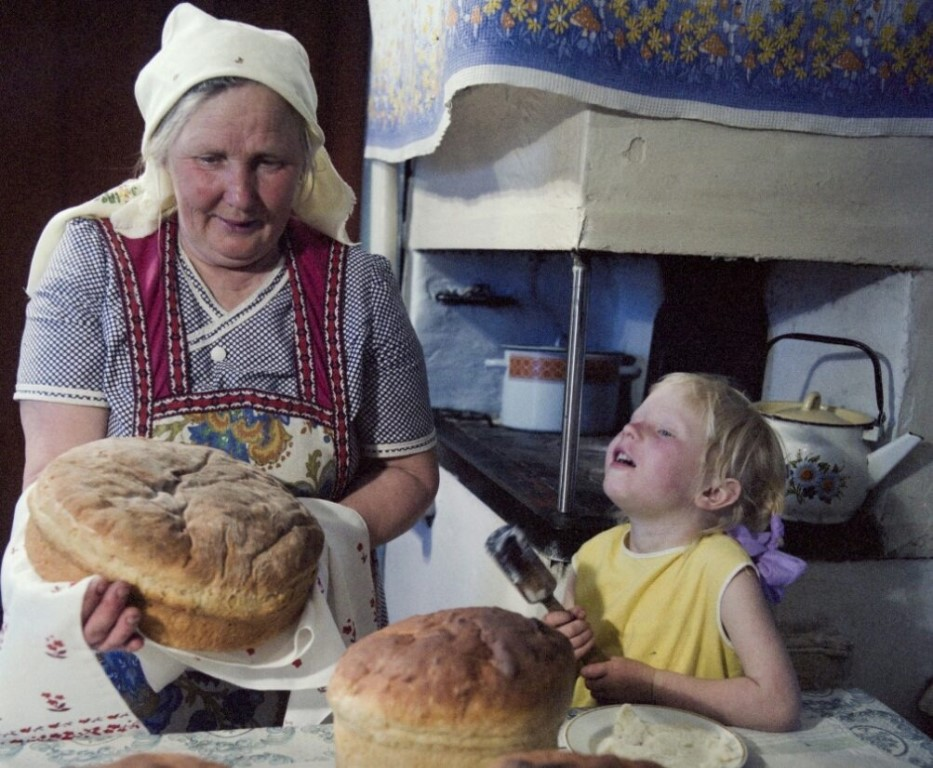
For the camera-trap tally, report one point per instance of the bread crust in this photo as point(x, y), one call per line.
point(465, 683)
point(558, 758)
point(161, 760)
point(219, 554)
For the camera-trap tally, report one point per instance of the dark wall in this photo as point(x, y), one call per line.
point(71, 129)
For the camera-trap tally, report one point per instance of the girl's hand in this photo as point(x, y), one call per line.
point(109, 623)
point(620, 681)
point(573, 625)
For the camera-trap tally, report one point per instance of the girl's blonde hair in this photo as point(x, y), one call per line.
point(740, 445)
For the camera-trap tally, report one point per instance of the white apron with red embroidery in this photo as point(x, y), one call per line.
point(54, 687)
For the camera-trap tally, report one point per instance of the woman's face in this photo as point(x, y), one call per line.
point(235, 166)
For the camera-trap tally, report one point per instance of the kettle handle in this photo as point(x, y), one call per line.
point(879, 391)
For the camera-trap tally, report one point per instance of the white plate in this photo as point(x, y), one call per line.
point(583, 733)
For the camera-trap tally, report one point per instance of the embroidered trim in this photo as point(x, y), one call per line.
point(136, 322)
point(159, 344)
point(400, 449)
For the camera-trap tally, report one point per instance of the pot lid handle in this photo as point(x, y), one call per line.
point(812, 411)
point(812, 401)
point(876, 365)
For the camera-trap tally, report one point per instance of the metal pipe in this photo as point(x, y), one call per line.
point(383, 214)
point(573, 388)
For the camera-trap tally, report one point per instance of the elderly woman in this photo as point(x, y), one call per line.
point(216, 300)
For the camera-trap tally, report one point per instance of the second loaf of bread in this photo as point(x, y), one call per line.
point(453, 688)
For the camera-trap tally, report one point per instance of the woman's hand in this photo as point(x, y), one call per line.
point(573, 625)
point(109, 623)
point(620, 681)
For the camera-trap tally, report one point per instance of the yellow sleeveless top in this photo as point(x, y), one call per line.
point(661, 608)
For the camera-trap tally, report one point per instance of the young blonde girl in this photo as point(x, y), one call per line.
point(672, 602)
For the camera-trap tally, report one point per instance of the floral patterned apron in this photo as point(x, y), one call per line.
point(303, 440)
point(58, 687)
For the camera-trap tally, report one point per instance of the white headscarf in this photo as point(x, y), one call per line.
point(197, 47)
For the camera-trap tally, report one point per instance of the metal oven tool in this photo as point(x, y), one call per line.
point(513, 553)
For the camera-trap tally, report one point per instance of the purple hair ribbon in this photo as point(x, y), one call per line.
point(776, 569)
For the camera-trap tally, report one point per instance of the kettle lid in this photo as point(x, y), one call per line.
point(811, 410)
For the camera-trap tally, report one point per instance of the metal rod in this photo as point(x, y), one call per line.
point(573, 388)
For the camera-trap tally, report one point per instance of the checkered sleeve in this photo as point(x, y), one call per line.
point(62, 352)
point(386, 363)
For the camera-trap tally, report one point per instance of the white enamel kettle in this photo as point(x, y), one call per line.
point(830, 468)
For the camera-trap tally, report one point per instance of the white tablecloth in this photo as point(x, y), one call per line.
point(840, 728)
point(844, 728)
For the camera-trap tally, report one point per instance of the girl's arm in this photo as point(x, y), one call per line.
point(766, 698)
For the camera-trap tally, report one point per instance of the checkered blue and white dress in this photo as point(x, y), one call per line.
point(263, 382)
point(76, 344)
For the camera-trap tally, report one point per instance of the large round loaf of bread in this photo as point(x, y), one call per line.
point(161, 760)
point(220, 555)
point(558, 758)
point(454, 688)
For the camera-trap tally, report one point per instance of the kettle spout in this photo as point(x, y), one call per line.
point(884, 459)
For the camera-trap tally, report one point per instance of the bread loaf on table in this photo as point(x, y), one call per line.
point(453, 688)
point(219, 553)
point(161, 760)
point(557, 758)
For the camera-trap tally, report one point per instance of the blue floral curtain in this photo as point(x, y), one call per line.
point(843, 67)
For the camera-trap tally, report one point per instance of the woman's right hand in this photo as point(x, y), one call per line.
point(108, 621)
point(572, 624)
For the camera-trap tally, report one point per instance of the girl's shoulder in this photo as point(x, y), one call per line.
point(721, 542)
point(721, 552)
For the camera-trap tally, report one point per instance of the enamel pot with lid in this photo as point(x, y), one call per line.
point(534, 382)
point(830, 468)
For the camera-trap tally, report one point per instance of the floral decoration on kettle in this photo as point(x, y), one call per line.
point(829, 466)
